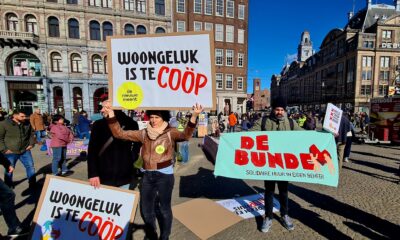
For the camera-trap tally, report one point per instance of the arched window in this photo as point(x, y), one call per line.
point(56, 62)
point(94, 30)
point(58, 98)
point(129, 29)
point(160, 7)
point(105, 65)
point(73, 28)
point(107, 30)
point(77, 98)
point(97, 64)
point(140, 29)
point(76, 63)
point(54, 28)
point(23, 64)
point(31, 24)
point(160, 30)
point(97, 97)
point(12, 22)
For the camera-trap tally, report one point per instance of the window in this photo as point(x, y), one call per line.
point(129, 29)
point(366, 68)
point(241, 11)
point(105, 65)
point(240, 36)
point(94, 3)
point(230, 8)
point(385, 62)
point(350, 70)
point(129, 5)
point(340, 77)
point(54, 1)
point(97, 64)
point(229, 57)
point(240, 60)
point(12, 22)
point(197, 26)
point(230, 33)
point(72, 1)
point(141, 30)
point(219, 80)
point(94, 30)
point(219, 32)
point(197, 6)
point(219, 56)
point(384, 77)
point(141, 6)
point(106, 3)
point(365, 90)
point(239, 83)
point(54, 30)
point(219, 8)
point(208, 26)
point(229, 81)
point(208, 7)
point(55, 62)
point(160, 7)
point(180, 26)
point(107, 30)
point(368, 44)
point(383, 90)
point(31, 24)
point(180, 6)
point(160, 30)
point(73, 28)
point(386, 35)
point(76, 63)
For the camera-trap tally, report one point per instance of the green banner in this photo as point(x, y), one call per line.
point(298, 156)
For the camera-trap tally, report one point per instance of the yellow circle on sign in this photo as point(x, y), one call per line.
point(129, 95)
point(160, 149)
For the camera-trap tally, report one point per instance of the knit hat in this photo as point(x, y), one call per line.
point(279, 102)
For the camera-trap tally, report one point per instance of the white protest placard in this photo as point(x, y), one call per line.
point(162, 71)
point(248, 206)
point(72, 209)
point(332, 118)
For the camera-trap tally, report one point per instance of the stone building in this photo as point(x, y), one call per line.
point(261, 97)
point(228, 19)
point(353, 65)
point(53, 53)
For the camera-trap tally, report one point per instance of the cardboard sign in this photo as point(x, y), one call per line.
point(248, 206)
point(332, 119)
point(162, 71)
point(73, 149)
point(299, 156)
point(72, 209)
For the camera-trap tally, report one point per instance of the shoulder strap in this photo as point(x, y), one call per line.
point(291, 123)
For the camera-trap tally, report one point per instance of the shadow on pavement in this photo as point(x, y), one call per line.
point(376, 166)
point(390, 179)
point(328, 203)
point(363, 230)
point(205, 184)
point(374, 155)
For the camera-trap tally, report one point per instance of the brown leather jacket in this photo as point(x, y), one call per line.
point(156, 153)
point(36, 121)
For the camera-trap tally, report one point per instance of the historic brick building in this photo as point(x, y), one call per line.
point(261, 97)
point(353, 64)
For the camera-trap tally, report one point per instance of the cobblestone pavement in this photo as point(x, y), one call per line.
point(366, 205)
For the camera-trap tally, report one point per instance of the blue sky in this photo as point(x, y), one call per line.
point(275, 28)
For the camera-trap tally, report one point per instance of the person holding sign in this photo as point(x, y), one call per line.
point(158, 143)
point(277, 121)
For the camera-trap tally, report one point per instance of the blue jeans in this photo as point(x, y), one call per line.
point(26, 160)
point(231, 128)
point(184, 151)
point(7, 206)
point(83, 135)
point(59, 157)
point(39, 135)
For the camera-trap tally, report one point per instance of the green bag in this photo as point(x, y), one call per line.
point(138, 163)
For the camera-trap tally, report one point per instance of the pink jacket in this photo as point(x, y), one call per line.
point(60, 135)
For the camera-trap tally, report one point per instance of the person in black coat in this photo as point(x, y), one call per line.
point(110, 160)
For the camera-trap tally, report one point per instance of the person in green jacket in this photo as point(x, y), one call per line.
point(16, 141)
point(277, 121)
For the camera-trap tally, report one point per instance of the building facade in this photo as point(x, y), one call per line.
point(228, 19)
point(353, 65)
point(53, 52)
point(261, 97)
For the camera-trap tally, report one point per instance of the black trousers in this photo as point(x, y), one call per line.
point(269, 194)
point(7, 206)
point(156, 185)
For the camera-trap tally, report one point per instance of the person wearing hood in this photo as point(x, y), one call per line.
point(277, 121)
point(158, 143)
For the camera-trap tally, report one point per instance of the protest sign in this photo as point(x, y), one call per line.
point(299, 156)
point(72, 209)
point(74, 148)
point(332, 118)
point(248, 206)
point(162, 71)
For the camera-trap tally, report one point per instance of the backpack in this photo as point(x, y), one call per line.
point(264, 122)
